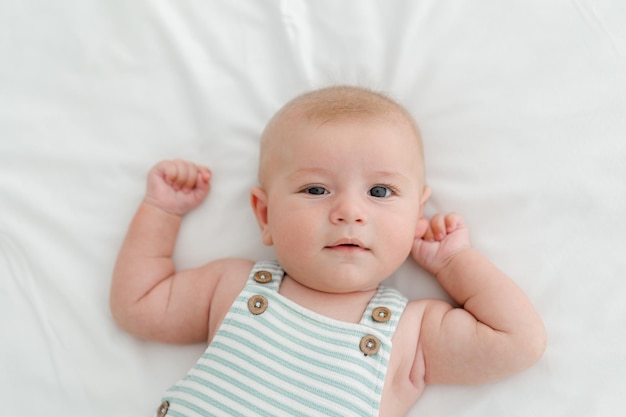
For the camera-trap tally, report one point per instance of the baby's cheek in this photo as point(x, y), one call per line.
point(400, 236)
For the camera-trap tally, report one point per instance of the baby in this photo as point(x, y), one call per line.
point(340, 198)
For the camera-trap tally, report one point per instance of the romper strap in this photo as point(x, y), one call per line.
point(269, 274)
point(384, 310)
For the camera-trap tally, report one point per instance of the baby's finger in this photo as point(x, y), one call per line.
point(453, 222)
point(428, 235)
point(438, 226)
point(204, 173)
point(191, 176)
point(178, 175)
point(169, 171)
point(202, 180)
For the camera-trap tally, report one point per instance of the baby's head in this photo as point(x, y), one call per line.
point(332, 104)
point(341, 188)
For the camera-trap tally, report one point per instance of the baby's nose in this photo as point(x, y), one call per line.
point(348, 210)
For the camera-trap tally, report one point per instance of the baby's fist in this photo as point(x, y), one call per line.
point(445, 237)
point(177, 186)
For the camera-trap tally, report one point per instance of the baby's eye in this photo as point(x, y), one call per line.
point(316, 190)
point(380, 191)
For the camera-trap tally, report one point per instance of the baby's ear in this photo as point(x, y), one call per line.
point(258, 199)
point(422, 223)
point(424, 198)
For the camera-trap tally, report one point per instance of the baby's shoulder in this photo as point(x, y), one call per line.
point(407, 368)
point(411, 319)
point(410, 329)
point(231, 273)
point(235, 265)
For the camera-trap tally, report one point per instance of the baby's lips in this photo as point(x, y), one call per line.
point(348, 242)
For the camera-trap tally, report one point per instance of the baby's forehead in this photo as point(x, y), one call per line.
point(288, 125)
point(318, 140)
point(338, 103)
point(328, 107)
point(341, 104)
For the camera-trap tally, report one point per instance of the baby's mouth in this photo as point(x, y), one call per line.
point(348, 245)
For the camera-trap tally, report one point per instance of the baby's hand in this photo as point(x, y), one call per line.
point(177, 186)
point(445, 237)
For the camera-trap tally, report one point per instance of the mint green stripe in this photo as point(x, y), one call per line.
point(322, 382)
point(298, 357)
point(311, 328)
point(313, 345)
point(309, 333)
point(259, 397)
point(214, 399)
point(190, 406)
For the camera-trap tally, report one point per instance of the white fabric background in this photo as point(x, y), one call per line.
point(522, 105)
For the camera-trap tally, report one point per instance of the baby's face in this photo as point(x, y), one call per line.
point(343, 200)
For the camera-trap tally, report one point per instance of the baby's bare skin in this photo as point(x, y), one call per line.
point(328, 185)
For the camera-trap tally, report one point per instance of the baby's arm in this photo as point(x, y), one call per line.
point(149, 298)
point(495, 333)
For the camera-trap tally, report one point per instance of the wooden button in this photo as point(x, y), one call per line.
point(257, 304)
point(369, 345)
point(381, 314)
point(162, 410)
point(262, 277)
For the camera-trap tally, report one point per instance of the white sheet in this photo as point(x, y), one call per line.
point(522, 105)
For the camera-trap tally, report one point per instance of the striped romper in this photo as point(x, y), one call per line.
point(272, 357)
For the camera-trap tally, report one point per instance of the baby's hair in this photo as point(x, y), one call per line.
point(340, 102)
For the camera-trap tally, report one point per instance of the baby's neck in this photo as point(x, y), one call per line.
point(348, 307)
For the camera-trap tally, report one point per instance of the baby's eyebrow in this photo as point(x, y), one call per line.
point(375, 175)
point(393, 174)
point(394, 177)
point(309, 171)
